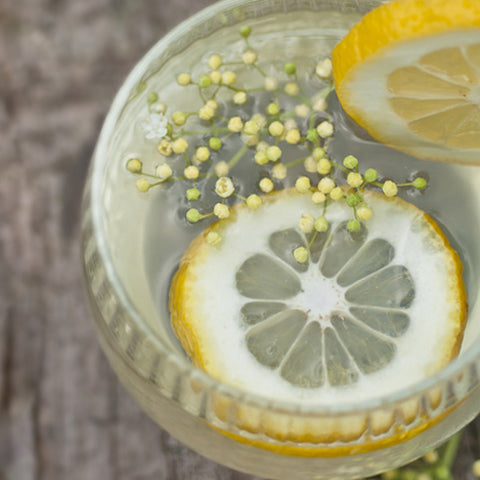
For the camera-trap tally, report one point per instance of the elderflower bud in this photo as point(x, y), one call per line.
point(324, 68)
point(254, 201)
point(290, 68)
point(279, 171)
point(318, 197)
point(306, 223)
point(213, 238)
point(300, 254)
point(326, 185)
point(324, 166)
point(336, 193)
point(419, 183)
point(251, 127)
point(273, 153)
point(364, 212)
point(164, 147)
point(319, 105)
point(204, 81)
point(302, 184)
point(259, 119)
point(353, 225)
point(310, 164)
point(215, 61)
point(179, 118)
point(325, 129)
point(203, 154)
point(222, 169)
point(235, 124)
point(266, 185)
point(302, 110)
point(239, 98)
point(293, 136)
point(354, 179)
point(390, 188)
point(270, 83)
point(180, 145)
point(221, 210)
point(192, 194)
point(262, 146)
point(276, 129)
point(321, 224)
point(229, 77)
point(191, 172)
point(292, 89)
point(370, 175)
point(249, 57)
point(318, 153)
point(215, 143)
point(142, 184)
point(272, 108)
point(215, 76)
point(193, 215)
point(134, 165)
point(206, 112)
point(350, 162)
point(164, 171)
point(224, 187)
point(212, 104)
point(184, 79)
point(261, 158)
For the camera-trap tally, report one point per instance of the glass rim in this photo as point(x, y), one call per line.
point(461, 363)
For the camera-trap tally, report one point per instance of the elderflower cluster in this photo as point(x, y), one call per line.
point(210, 146)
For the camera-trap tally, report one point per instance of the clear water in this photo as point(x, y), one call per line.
point(149, 233)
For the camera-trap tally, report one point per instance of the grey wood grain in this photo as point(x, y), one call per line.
point(63, 414)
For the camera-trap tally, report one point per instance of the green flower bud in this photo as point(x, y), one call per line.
point(290, 68)
point(193, 215)
point(353, 200)
point(419, 183)
point(193, 194)
point(370, 175)
point(152, 98)
point(318, 153)
point(204, 81)
point(353, 225)
point(321, 224)
point(245, 31)
point(350, 162)
point(300, 254)
point(215, 143)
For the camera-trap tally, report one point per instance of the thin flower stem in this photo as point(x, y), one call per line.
point(237, 156)
point(295, 162)
point(259, 70)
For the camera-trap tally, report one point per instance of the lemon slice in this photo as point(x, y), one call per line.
point(409, 73)
point(369, 313)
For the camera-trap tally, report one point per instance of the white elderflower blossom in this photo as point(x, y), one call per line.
point(155, 127)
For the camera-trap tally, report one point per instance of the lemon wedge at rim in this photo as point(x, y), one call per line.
point(369, 313)
point(409, 73)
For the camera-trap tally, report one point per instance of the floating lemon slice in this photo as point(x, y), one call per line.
point(369, 313)
point(409, 73)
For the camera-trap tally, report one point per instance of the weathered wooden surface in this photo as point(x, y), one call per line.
point(63, 414)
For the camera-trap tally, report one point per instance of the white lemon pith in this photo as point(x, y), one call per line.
point(409, 73)
point(368, 314)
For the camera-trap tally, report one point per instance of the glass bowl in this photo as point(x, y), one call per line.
point(132, 321)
